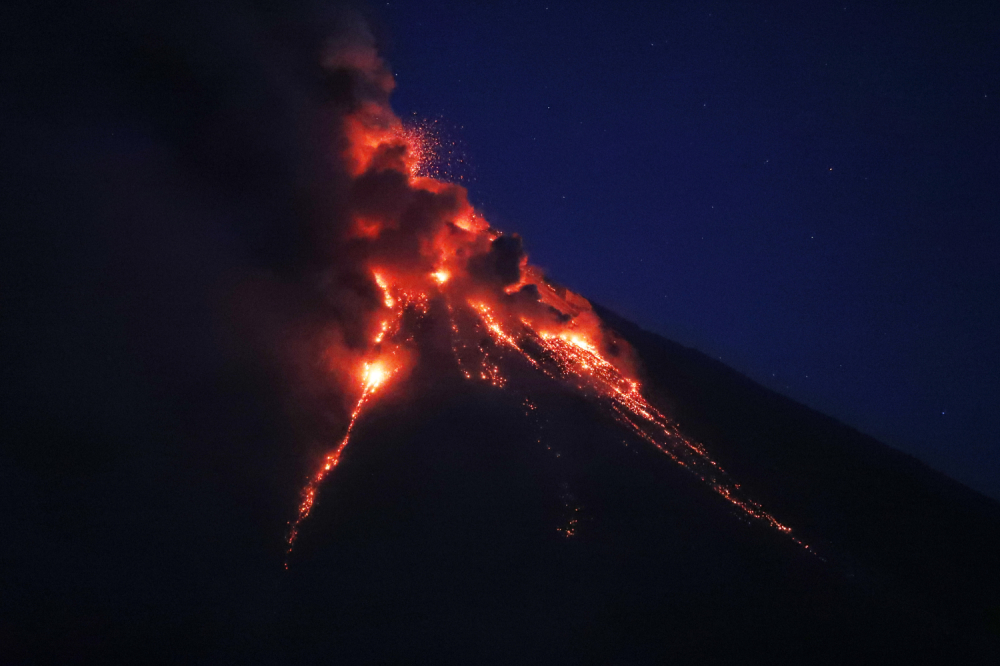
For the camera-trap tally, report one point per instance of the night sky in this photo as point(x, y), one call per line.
point(809, 192)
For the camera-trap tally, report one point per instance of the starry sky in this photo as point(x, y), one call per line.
point(808, 192)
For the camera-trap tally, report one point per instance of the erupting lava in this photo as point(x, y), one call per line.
point(421, 241)
point(375, 374)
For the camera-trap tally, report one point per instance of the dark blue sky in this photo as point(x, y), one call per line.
point(808, 191)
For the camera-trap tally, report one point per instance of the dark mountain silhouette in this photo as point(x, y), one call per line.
point(442, 536)
point(890, 524)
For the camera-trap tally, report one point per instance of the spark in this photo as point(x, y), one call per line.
point(382, 331)
point(387, 298)
point(421, 142)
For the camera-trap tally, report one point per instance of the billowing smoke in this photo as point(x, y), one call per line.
point(243, 164)
point(369, 224)
point(355, 237)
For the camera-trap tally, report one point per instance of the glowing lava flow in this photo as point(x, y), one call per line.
point(568, 355)
point(562, 356)
point(375, 375)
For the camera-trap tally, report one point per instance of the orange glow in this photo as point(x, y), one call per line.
point(494, 329)
point(573, 356)
point(375, 375)
point(470, 222)
point(330, 461)
point(381, 334)
point(387, 298)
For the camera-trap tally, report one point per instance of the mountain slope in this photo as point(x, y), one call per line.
point(887, 520)
point(445, 532)
point(442, 536)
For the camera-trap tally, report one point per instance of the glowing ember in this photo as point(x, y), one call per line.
point(375, 374)
point(387, 298)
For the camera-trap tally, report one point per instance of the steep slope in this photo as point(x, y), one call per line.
point(465, 527)
point(444, 534)
point(886, 520)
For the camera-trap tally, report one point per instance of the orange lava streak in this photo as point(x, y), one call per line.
point(579, 358)
point(494, 327)
point(565, 347)
point(373, 375)
point(331, 460)
point(387, 298)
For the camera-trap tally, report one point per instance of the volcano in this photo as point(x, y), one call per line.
point(516, 520)
point(293, 399)
point(470, 523)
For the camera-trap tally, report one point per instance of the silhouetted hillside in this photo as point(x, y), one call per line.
point(888, 521)
point(442, 538)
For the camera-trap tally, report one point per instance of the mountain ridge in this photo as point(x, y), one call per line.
point(718, 405)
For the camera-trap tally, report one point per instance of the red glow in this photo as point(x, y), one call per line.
point(375, 375)
point(442, 257)
point(575, 357)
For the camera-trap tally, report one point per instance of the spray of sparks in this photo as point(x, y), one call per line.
point(566, 349)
